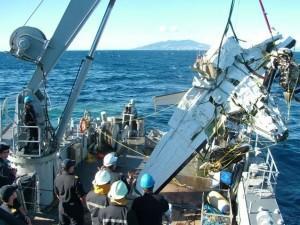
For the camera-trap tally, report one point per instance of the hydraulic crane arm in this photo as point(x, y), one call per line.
point(30, 44)
point(65, 118)
point(74, 18)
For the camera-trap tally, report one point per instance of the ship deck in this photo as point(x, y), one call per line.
point(185, 201)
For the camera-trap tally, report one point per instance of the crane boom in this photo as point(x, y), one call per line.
point(64, 34)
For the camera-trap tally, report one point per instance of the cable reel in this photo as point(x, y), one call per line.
point(28, 43)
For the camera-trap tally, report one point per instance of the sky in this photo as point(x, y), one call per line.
point(134, 23)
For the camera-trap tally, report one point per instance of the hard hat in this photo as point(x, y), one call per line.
point(102, 177)
point(67, 163)
point(27, 99)
point(118, 190)
point(110, 159)
point(147, 181)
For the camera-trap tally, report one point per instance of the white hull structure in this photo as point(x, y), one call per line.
point(227, 103)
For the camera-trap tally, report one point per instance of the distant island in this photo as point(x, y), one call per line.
point(175, 45)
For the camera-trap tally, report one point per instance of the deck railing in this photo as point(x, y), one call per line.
point(6, 116)
point(267, 173)
point(19, 142)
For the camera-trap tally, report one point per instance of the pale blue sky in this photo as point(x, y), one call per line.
point(135, 23)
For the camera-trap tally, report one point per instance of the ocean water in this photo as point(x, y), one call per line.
point(118, 76)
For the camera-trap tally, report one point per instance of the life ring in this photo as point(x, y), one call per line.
point(83, 125)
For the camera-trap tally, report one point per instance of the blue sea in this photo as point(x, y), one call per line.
point(118, 76)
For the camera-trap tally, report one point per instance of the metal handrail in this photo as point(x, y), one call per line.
point(16, 142)
point(4, 118)
point(269, 176)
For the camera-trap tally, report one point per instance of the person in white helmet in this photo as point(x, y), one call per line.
point(116, 212)
point(110, 165)
point(97, 198)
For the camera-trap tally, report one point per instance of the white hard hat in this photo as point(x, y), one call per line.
point(118, 190)
point(102, 177)
point(110, 159)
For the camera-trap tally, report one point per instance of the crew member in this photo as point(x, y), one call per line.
point(71, 195)
point(30, 120)
point(97, 198)
point(8, 195)
point(7, 174)
point(116, 212)
point(149, 208)
point(110, 165)
point(8, 219)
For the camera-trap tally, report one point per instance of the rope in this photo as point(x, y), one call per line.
point(180, 184)
point(219, 162)
point(149, 115)
point(36, 8)
point(239, 154)
point(125, 146)
point(243, 153)
point(230, 150)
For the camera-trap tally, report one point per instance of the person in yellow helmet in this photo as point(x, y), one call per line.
point(97, 199)
point(116, 212)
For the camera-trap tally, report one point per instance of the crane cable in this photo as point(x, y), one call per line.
point(228, 24)
point(265, 16)
point(36, 8)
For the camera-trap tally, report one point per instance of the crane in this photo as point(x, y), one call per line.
point(30, 44)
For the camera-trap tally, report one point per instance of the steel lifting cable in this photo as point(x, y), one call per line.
point(36, 8)
point(265, 16)
point(228, 24)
